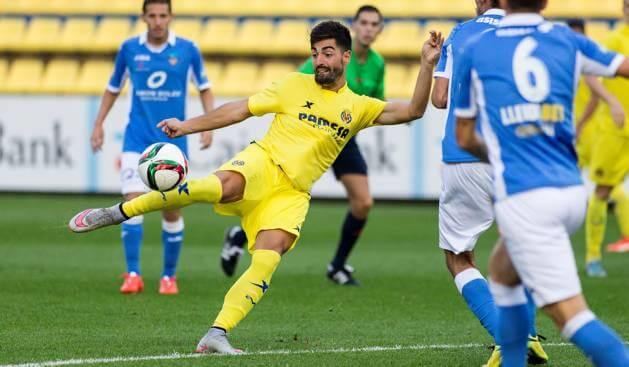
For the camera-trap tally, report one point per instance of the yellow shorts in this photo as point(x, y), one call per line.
point(270, 200)
point(610, 159)
point(584, 146)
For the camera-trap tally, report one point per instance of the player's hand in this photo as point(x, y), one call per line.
point(618, 114)
point(173, 128)
point(206, 139)
point(97, 138)
point(432, 48)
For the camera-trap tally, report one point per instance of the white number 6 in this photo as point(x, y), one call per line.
point(534, 90)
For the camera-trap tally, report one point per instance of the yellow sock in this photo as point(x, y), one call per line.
point(248, 289)
point(595, 222)
point(205, 190)
point(619, 196)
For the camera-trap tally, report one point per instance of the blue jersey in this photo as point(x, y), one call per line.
point(159, 80)
point(519, 81)
point(447, 68)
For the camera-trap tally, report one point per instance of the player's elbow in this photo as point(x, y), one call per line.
point(415, 113)
point(439, 100)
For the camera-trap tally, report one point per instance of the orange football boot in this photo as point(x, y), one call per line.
point(622, 245)
point(168, 285)
point(133, 284)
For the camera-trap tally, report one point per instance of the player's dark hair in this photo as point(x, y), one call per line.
point(369, 9)
point(331, 29)
point(495, 4)
point(577, 23)
point(148, 2)
point(535, 5)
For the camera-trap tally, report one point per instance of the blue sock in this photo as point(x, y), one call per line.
point(597, 341)
point(475, 290)
point(532, 309)
point(172, 239)
point(132, 233)
point(513, 324)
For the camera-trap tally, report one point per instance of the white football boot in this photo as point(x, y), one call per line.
point(91, 219)
point(215, 341)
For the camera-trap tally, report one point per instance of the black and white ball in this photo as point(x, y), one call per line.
point(162, 166)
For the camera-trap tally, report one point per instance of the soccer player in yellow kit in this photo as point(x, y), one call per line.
point(268, 183)
point(609, 163)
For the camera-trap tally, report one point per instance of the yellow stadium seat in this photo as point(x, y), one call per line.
point(94, 77)
point(124, 7)
point(396, 83)
point(400, 38)
point(445, 27)
point(213, 70)
point(598, 31)
point(4, 66)
point(42, 34)
point(12, 31)
point(254, 36)
point(60, 76)
point(110, 33)
point(187, 28)
point(239, 79)
point(77, 34)
point(219, 35)
point(273, 71)
point(138, 28)
point(291, 37)
point(24, 76)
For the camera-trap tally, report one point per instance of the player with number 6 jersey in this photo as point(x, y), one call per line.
point(519, 81)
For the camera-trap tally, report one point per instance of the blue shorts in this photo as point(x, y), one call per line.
point(350, 161)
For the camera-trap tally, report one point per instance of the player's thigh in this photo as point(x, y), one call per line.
point(465, 205)
point(284, 210)
point(610, 159)
point(350, 161)
point(130, 180)
point(536, 226)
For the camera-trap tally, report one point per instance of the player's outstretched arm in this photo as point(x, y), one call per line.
point(467, 138)
point(402, 112)
point(227, 114)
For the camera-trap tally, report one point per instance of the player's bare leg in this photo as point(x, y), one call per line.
point(595, 223)
point(360, 202)
point(248, 290)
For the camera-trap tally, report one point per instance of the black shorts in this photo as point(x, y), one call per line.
point(350, 161)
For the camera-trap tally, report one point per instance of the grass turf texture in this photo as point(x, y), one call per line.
point(60, 300)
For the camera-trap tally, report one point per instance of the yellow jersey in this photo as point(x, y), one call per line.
point(311, 124)
point(618, 41)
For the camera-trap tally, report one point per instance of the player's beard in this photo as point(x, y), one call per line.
point(331, 75)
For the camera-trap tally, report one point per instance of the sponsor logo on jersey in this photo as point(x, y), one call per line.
point(142, 57)
point(333, 127)
point(157, 79)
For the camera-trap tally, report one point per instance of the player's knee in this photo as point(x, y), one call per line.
point(603, 192)
point(171, 215)
point(233, 185)
point(361, 206)
point(501, 268)
point(457, 263)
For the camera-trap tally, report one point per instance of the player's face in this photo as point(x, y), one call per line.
point(367, 27)
point(329, 61)
point(157, 17)
point(626, 10)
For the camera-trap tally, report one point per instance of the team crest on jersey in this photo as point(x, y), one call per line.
point(346, 116)
point(173, 59)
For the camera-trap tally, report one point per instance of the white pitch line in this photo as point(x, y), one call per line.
point(174, 356)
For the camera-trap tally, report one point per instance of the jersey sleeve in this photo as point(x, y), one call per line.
point(121, 72)
point(306, 67)
point(464, 95)
point(270, 99)
point(444, 67)
point(595, 60)
point(370, 110)
point(197, 70)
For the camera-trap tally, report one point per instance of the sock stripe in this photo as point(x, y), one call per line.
point(173, 227)
point(466, 276)
point(577, 322)
point(134, 221)
point(506, 296)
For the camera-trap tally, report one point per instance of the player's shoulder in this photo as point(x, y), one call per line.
point(130, 44)
point(182, 42)
point(377, 58)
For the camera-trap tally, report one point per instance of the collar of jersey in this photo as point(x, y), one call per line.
point(343, 89)
point(172, 40)
point(495, 11)
point(521, 19)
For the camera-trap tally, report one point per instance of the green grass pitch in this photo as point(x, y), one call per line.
point(59, 295)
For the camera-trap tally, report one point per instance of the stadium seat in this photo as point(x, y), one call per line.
point(110, 33)
point(239, 79)
point(188, 28)
point(94, 76)
point(273, 71)
point(396, 82)
point(254, 37)
point(218, 35)
point(12, 31)
point(60, 76)
point(77, 34)
point(4, 66)
point(400, 38)
point(291, 37)
point(445, 27)
point(24, 76)
point(213, 71)
point(138, 28)
point(42, 34)
point(597, 31)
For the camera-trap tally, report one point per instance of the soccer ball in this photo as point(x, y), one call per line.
point(162, 166)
